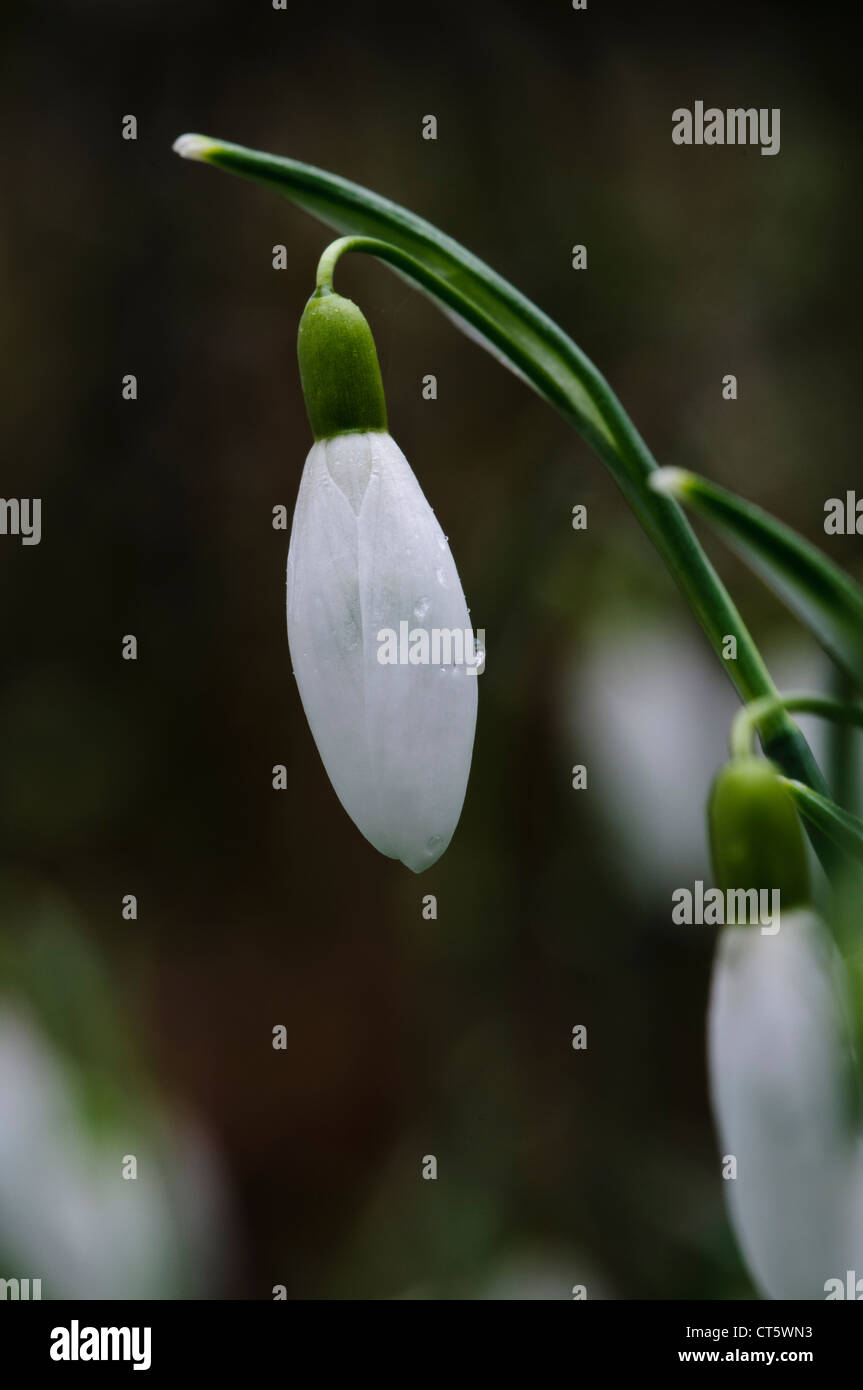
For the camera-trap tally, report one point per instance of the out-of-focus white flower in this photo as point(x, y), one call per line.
point(68, 1217)
point(649, 705)
point(781, 1076)
point(379, 630)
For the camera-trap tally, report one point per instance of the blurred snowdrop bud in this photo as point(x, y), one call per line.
point(371, 581)
point(75, 1104)
point(646, 698)
point(782, 1066)
point(781, 1078)
point(756, 838)
point(66, 1215)
point(647, 703)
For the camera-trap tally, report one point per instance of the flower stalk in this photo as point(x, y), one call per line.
point(748, 719)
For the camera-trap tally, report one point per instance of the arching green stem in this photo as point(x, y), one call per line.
point(747, 720)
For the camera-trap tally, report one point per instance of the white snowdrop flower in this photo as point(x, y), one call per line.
point(782, 1066)
point(378, 626)
point(781, 1074)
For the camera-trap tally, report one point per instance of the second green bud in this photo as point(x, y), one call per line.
point(756, 839)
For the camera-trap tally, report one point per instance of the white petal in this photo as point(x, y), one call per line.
point(781, 1074)
point(366, 554)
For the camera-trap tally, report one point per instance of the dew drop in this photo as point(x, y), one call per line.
point(421, 607)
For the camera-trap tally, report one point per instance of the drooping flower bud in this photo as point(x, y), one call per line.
point(782, 1071)
point(756, 839)
point(379, 630)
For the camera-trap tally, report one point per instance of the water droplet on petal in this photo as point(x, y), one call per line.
point(421, 607)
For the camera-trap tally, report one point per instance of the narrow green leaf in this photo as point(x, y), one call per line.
point(504, 320)
point(840, 826)
point(818, 592)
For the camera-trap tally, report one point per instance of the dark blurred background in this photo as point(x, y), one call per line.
point(405, 1037)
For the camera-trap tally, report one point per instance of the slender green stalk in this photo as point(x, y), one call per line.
point(336, 249)
point(747, 719)
point(514, 328)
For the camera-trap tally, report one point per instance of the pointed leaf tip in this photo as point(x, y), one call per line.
point(192, 146)
point(670, 482)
